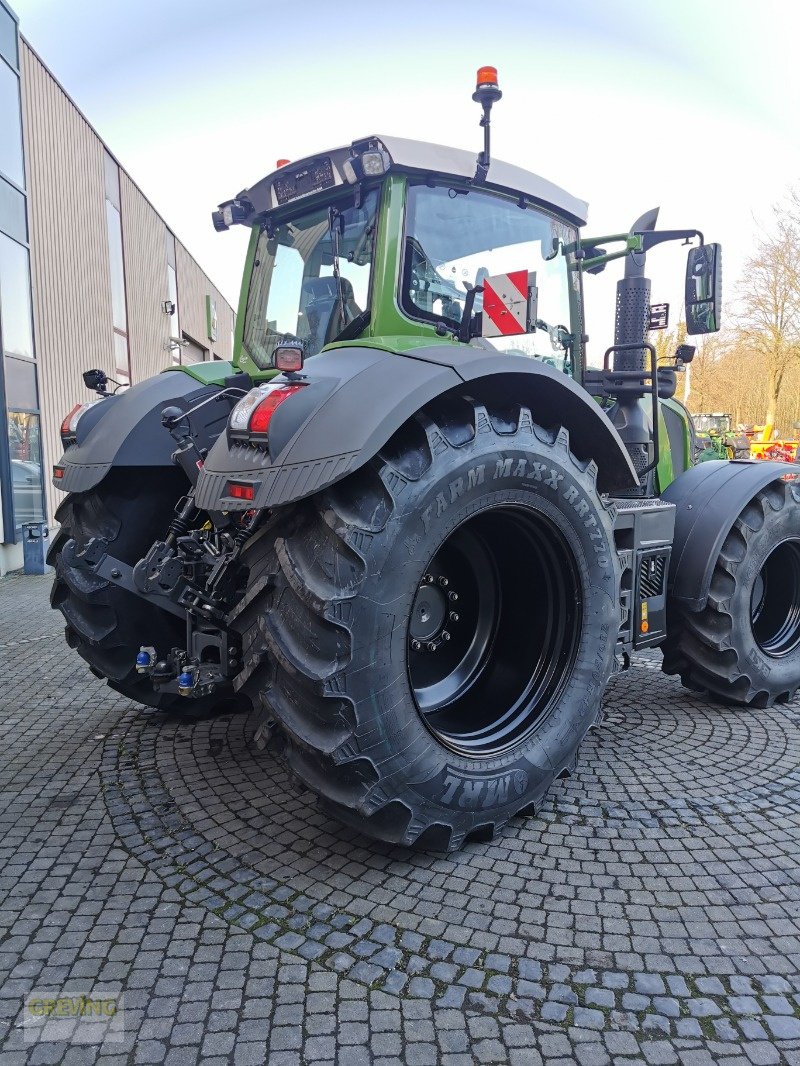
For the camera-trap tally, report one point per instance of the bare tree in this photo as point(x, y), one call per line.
point(769, 302)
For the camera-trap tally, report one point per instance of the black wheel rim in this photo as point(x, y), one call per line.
point(494, 630)
point(775, 601)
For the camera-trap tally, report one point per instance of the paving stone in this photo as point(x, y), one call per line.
point(600, 997)
point(762, 1053)
point(782, 1027)
point(670, 1008)
point(554, 1012)
point(744, 1005)
point(648, 984)
point(659, 1052)
point(243, 925)
point(771, 983)
point(703, 1008)
point(589, 1019)
point(592, 1055)
point(621, 1043)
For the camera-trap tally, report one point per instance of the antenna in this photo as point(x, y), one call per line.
point(487, 92)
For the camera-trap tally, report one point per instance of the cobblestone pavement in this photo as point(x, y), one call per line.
point(650, 914)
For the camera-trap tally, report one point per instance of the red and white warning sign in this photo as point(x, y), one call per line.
point(506, 303)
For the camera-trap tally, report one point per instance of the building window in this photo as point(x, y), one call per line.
point(9, 48)
point(116, 258)
point(172, 295)
point(10, 126)
point(15, 298)
point(21, 391)
point(13, 220)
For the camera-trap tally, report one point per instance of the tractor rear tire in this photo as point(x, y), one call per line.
point(433, 634)
point(105, 624)
point(744, 646)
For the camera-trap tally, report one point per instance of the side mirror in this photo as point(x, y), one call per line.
point(703, 289)
point(684, 353)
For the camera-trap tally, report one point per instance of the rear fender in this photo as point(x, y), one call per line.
point(708, 499)
point(358, 397)
point(125, 430)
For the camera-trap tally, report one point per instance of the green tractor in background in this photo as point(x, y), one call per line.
point(716, 439)
point(410, 525)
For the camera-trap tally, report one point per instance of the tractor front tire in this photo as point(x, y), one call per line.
point(105, 624)
point(744, 646)
point(433, 634)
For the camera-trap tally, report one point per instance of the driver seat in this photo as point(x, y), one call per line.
point(319, 305)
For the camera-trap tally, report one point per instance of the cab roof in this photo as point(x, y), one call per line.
point(326, 170)
point(424, 156)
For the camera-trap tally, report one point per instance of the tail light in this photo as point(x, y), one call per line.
point(69, 426)
point(252, 415)
point(240, 490)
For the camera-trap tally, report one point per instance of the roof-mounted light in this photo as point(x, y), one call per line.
point(486, 76)
point(370, 164)
point(230, 213)
point(487, 92)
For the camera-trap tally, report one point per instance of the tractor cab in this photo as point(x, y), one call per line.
point(397, 243)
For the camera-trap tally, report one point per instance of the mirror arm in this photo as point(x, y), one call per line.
point(634, 242)
point(654, 237)
point(595, 263)
point(592, 242)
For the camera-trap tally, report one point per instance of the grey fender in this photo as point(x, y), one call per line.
point(708, 499)
point(126, 430)
point(357, 397)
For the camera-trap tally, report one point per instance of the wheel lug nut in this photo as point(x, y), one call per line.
point(445, 635)
point(453, 616)
point(428, 579)
point(415, 644)
point(432, 646)
point(443, 582)
point(452, 596)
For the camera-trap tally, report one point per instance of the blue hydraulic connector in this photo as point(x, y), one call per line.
point(185, 683)
point(145, 660)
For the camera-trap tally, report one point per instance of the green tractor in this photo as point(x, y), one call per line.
point(410, 527)
point(716, 439)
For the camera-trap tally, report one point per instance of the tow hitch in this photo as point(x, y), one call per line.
point(207, 664)
point(195, 576)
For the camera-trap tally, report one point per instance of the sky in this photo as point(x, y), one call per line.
point(691, 106)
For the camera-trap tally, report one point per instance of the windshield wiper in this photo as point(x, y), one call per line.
point(336, 228)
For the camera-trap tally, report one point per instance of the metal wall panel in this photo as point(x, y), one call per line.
point(69, 249)
point(70, 261)
point(144, 236)
point(193, 287)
